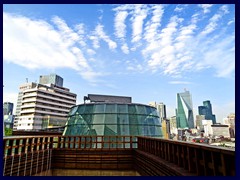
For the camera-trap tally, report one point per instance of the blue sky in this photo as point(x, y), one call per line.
point(148, 52)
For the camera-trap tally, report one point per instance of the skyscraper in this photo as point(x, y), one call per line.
point(206, 110)
point(7, 108)
point(8, 116)
point(161, 109)
point(184, 111)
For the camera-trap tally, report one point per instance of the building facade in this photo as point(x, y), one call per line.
point(184, 112)
point(206, 110)
point(161, 108)
point(7, 108)
point(8, 116)
point(230, 121)
point(42, 106)
point(199, 124)
point(113, 118)
point(166, 128)
point(51, 79)
point(173, 125)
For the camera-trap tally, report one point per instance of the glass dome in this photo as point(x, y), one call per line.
point(113, 119)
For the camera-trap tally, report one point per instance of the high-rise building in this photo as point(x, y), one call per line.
point(199, 119)
point(184, 111)
point(42, 106)
point(173, 125)
point(206, 110)
point(51, 79)
point(166, 128)
point(161, 108)
point(7, 108)
point(8, 116)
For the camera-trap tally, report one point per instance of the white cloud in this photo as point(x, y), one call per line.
point(91, 52)
point(35, 44)
point(140, 13)
point(125, 48)
point(101, 35)
point(95, 41)
point(213, 21)
point(224, 8)
point(230, 22)
point(67, 34)
point(120, 27)
point(81, 34)
point(206, 7)
point(164, 55)
point(153, 25)
point(178, 9)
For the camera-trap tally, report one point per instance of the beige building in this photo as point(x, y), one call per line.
point(161, 109)
point(173, 125)
point(42, 106)
point(199, 124)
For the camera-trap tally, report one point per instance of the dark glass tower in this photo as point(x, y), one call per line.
point(7, 108)
point(206, 110)
point(184, 112)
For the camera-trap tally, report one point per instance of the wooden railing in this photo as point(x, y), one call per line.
point(185, 157)
point(27, 156)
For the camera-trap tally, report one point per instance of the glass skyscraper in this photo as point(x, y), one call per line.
point(184, 112)
point(206, 110)
point(7, 108)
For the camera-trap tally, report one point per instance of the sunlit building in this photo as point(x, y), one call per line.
point(161, 108)
point(184, 113)
point(43, 106)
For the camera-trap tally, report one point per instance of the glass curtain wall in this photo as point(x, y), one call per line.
point(114, 119)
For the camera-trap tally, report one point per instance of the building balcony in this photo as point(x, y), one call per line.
point(147, 156)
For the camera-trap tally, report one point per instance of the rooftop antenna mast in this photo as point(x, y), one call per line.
point(26, 80)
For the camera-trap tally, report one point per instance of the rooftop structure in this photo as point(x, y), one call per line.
point(114, 115)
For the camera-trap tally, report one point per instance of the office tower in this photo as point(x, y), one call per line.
point(7, 108)
point(43, 106)
point(161, 108)
point(199, 119)
point(184, 111)
point(51, 79)
point(173, 125)
point(8, 116)
point(166, 128)
point(206, 110)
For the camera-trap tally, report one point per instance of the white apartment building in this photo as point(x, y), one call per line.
point(42, 106)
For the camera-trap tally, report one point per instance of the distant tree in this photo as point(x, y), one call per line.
point(8, 131)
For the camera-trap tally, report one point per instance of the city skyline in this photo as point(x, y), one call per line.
point(147, 52)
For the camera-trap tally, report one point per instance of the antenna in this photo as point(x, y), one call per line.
point(26, 80)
